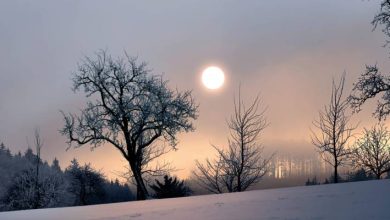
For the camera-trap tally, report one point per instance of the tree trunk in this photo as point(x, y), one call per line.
point(336, 175)
point(142, 192)
point(239, 188)
point(83, 194)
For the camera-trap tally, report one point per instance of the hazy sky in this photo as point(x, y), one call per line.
point(286, 50)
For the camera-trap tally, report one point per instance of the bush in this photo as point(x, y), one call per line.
point(312, 182)
point(171, 188)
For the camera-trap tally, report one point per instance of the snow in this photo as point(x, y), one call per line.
point(358, 200)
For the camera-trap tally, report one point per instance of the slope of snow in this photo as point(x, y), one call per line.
point(359, 200)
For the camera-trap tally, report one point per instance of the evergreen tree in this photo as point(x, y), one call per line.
point(4, 150)
point(359, 175)
point(85, 184)
point(117, 192)
point(56, 165)
point(331, 179)
point(29, 155)
point(171, 188)
point(312, 182)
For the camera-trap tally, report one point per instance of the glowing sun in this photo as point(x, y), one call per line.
point(213, 77)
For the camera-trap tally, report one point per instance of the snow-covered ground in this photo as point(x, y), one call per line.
point(359, 200)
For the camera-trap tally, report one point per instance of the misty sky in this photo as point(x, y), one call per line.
point(286, 50)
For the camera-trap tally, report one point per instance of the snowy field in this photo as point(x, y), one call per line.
point(359, 200)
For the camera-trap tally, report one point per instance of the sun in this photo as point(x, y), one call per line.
point(213, 77)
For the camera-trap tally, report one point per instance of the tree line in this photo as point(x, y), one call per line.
point(29, 183)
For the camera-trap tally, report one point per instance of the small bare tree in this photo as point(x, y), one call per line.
point(129, 109)
point(372, 151)
point(242, 164)
point(334, 131)
point(38, 145)
point(38, 142)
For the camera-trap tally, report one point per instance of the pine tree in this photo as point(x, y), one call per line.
point(4, 150)
point(116, 192)
point(171, 188)
point(56, 165)
point(312, 182)
point(359, 175)
point(29, 155)
point(85, 184)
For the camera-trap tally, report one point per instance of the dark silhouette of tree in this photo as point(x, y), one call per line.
point(331, 179)
point(4, 150)
point(334, 131)
point(38, 141)
point(56, 165)
point(85, 183)
point(326, 181)
point(372, 151)
point(171, 188)
point(130, 110)
point(359, 175)
point(29, 155)
point(310, 182)
point(243, 163)
point(372, 82)
point(117, 192)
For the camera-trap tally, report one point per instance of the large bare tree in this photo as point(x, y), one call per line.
point(372, 151)
point(372, 83)
point(129, 109)
point(243, 163)
point(333, 129)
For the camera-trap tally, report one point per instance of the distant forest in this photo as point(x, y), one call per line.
point(21, 188)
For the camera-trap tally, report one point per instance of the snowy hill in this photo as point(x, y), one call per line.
point(359, 200)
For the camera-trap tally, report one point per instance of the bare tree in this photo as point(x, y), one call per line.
point(38, 145)
point(242, 164)
point(372, 151)
point(372, 83)
point(129, 109)
point(334, 130)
